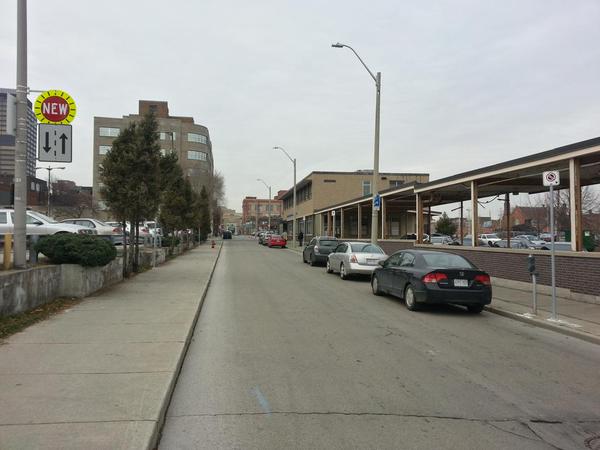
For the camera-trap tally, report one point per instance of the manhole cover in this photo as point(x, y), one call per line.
point(593, 442)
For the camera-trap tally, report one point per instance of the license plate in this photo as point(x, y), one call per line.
point(461, 283)
point(372, 262)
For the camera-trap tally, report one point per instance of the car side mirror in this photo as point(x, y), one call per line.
point(38, 222)
point(381, 263)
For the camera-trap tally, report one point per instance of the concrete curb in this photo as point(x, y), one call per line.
point(544, 324)
point(157, 432)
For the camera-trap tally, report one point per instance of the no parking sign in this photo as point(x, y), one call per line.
point(551, 178)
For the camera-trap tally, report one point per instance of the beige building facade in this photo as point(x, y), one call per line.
point(319, 190)
point(180, 135)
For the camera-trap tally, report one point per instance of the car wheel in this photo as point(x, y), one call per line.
point(311, 260)
point(303, 258)
point(375, 286)
point(343, 274)
point(409, 299)
point(475, 309)
point(328, 267)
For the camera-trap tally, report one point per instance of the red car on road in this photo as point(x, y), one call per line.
point(275, 240)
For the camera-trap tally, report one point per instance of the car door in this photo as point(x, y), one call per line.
point(308, 249)
point(385, 276)
point(402, 273)
point(339, 256)
point(34, 225)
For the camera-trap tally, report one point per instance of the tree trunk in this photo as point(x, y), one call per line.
point(125, 271)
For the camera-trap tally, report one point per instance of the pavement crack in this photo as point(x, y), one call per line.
point(539, 436)
point(514, 433)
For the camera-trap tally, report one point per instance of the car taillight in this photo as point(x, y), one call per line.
point(145, 230)
point(353, 259)
point(434, 277)
point(117, 230)
point(483, 279)
point(82, 231)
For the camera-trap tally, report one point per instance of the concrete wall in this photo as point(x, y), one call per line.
point(43, 285)
point(77, 281)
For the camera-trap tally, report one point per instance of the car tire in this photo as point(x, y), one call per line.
point(474, 309)
point(410, 299)
point(303, 258)
point(375, 286)
point(328, 267)
point(311, 260)
point(343, 274)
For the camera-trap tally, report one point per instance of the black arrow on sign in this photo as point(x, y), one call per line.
point(47, 146)
point(63, 137)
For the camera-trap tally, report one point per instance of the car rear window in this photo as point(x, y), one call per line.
point(365, 248)
point(446, 260)
point(328, 243)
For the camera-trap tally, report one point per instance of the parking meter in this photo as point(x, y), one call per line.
point(531, 264)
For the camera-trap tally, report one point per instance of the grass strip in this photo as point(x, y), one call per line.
point(13, 324)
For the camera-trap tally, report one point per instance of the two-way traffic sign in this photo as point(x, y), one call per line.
point(54, 143)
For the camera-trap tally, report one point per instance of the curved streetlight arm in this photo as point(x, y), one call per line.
point(338, 45)
point(263, 182)
point(286, 153)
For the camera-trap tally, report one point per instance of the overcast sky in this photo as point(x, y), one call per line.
point(465, 83)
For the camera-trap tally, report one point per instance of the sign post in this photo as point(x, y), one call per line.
point(552, 179)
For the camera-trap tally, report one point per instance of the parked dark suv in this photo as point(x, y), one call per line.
point(318, 248)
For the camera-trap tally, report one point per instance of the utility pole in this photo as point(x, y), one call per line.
point(20, 202)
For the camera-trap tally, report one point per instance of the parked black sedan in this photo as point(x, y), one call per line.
point(420, 277)
point(318, 250)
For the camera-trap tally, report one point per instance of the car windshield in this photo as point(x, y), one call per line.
point(42, 217)
point(446, 260)
point(365, 248)
point(328, 243)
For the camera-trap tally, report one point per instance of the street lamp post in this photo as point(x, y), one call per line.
point(293, 160)
point(374, 187)
point(269, 203)
point(49, 169)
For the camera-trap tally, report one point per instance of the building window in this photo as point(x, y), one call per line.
point(109, 132)
point(167, 135)
point(198, 156)
point(366, 187)
point(329, 181)
point(104, 149)
point(163, 152)
point(33, 186)
point(195, 137)
point(396, 183)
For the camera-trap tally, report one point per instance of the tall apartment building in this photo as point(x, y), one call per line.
point(8, 126)
point(190, 141)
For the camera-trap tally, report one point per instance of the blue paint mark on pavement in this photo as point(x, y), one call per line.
point(264, 404)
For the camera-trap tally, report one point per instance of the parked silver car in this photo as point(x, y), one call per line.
point(38, 224)
point(350, 258)
point(103, 229)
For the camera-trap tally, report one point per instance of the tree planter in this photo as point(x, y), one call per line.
point(78, 281)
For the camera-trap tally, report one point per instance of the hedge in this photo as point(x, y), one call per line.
point(71, 248)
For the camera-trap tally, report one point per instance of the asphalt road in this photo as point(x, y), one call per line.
point(286, 356)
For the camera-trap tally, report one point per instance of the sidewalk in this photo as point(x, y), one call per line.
point(100, 375)
point(577, 319)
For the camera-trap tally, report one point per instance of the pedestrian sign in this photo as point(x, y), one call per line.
point(377, 202)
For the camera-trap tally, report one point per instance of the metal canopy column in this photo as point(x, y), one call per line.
point(575, 205)
point(419, 219)
point(342, 223)
point(383, 218)
point(359, 221)
point(474, 214)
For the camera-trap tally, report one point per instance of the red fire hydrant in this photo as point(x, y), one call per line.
point(212, 244)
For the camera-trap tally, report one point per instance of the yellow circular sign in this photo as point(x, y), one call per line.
point(55, 106)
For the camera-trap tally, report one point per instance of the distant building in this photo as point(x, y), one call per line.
point(319, 190)
point(232, 219)
point(257, 210)
point(36, 188)
point(180, 135)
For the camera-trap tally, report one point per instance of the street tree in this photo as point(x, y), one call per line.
point(445, 226)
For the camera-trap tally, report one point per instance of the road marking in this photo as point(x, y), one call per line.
point(264, 404)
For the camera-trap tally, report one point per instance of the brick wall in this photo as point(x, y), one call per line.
point(580, 274)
